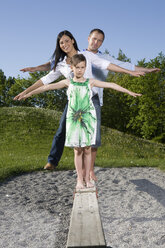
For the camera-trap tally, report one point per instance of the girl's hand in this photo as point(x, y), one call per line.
point(134, 94)
point(20, 95)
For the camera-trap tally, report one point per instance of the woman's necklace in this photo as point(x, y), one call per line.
point(68, 59)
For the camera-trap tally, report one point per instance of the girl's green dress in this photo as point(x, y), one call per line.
point(81, 119)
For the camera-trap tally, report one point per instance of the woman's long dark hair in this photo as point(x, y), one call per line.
point(58, 53)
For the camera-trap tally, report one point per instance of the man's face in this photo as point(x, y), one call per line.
point(95, 40)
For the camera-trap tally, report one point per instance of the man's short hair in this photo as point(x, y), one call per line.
point(99, 31)
point(77, 58)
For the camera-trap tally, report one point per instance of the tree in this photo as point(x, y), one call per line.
point(150, 121)
point(123, 57)
point(143, 116)
point(5, 85)
point(52, 99)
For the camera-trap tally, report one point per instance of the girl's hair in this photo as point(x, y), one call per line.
point(77, 58)
point(58, 53)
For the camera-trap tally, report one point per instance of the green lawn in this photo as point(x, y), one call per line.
point(26, 135)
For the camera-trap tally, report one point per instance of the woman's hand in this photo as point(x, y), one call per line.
point(19, 96)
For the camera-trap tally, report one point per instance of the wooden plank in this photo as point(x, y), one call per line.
point(85, 225)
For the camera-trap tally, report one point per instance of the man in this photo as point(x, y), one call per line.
point(95, 40)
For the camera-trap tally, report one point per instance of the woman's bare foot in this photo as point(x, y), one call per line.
point(89, 184)
point(80, 185)
point(93, 176)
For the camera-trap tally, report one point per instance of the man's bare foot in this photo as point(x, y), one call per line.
point(80, 185)
point(93, 176)
point(89, 184)
point(49, 166)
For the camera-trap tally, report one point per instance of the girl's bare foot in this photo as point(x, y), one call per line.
point(89, 184)
point(84, 173)
point(93, 176)
point(80, 185)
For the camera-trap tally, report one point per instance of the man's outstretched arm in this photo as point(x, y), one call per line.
point(129, 66)
point(116, 68)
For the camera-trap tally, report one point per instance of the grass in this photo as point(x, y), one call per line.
point(26, 136)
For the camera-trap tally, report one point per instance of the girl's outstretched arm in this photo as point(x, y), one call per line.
point(62, 84)
point(36, 85)
point(113, 86)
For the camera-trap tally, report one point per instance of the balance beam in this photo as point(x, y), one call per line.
point(85, 225)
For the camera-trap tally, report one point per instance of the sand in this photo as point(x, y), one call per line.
point(35, 208)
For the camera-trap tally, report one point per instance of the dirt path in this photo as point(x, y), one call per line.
point(35, 208)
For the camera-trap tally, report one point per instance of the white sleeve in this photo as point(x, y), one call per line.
point(51, 76)
point(97, 61)
point(125, 65)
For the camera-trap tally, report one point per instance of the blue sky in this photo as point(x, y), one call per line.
point(29, 28)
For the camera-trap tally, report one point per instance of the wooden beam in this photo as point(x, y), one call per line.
point(85, 225)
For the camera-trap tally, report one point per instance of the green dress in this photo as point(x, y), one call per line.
point(81, 119)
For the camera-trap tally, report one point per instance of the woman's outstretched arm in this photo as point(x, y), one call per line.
point(36, 85)
point(44, 67)
point(62, 84)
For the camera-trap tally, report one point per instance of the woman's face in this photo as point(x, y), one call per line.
point(66, 44)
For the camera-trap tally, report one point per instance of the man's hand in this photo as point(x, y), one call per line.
point(146, 70)
point(137, 73)
point(149, 70)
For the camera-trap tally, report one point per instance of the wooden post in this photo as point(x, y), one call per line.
point(85, 225)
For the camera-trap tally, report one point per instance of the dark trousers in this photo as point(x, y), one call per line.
point(59, 138)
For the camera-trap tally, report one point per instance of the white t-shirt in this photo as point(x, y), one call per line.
point(64, 69)
point(102, 74)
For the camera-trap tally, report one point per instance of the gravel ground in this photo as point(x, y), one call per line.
point(35, 208)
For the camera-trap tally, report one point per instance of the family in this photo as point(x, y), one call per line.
point(85, 74)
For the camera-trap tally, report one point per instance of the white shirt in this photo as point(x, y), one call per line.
point(102, 74)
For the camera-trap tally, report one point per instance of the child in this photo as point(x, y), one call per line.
point(81, 115)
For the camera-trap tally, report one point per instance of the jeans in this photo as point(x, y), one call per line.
point(59, 138)
point(58, 141)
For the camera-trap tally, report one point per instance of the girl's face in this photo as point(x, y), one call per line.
point(66, 44)
point(79, 69)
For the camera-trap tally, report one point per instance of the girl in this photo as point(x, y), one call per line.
point(81, 121)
